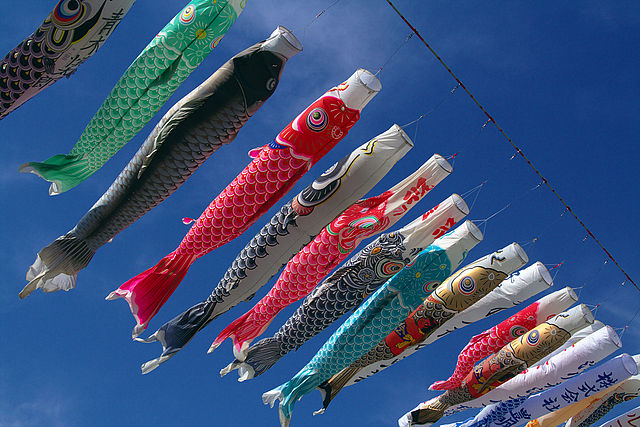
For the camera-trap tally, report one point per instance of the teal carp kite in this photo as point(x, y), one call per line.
point(73, 31)
point(153, 77)
point(378, 315)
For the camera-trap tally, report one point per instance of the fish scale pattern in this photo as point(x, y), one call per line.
point(144, 87)
point(346, 288)
point(271, 174)
point(191, 131)
point(489, 342)
point(70, 34)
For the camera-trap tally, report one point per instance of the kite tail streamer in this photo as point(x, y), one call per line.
point(177, 333)
point(242, 331)
point(260, 358)
point(290, 392)
point(330, 388)
point(57, 265)
point(64, 171)
point(146, 292)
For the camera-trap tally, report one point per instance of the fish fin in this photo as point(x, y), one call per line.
point(57, 265)
point(330, 388)
point(64, 171)
point(260, 357)
point(242, 331)
point(176, 333)
point(149, 290)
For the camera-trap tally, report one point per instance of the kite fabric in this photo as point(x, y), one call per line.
point(273, 172)
point(601, 377)
point(628, 419)
point(589, 410)
point(597, 409)
point(71, 34)
point(461, 290)
point(564, 365)
point(365, 218)
point(378, 315)
point(144, 87)
point(575, 337)
point(346, 288)
point(285, 234)
point(191, 131)
point(492, 340)
point(517, 288)
point(500, 367)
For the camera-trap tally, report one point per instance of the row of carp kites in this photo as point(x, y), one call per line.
point(403, 286)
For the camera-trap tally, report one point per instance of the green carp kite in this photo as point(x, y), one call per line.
point(153, 77)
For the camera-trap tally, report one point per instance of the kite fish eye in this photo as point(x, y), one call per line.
point(317, 120)
point(68, 12)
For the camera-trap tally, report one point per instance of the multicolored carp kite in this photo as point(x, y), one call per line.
point(285, 234)
point(151, 79)
point(593, 407)
point(461, 290)
point(346, 288)
point(520, 411)
point(492, 340)
point(628, 419)
point(499, 368)
point(336, 241)
point(378, 315)
point(542, 376)
point(193, 129)
point(72, 32)
point(518, 287)
point(275, 169)
point(596, 409)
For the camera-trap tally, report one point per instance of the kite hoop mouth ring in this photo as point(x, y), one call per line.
point(474, 231)
point(521, 253)
point(572, 293)
point(613, 336)
point(443, 163)
point(459, 202)
point(283, 42)
point(543, 271)
point(403, 134)
point(588, 315)
point(359, 89)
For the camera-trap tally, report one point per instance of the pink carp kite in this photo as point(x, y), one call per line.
point(337, 240)
point(274, 170)
point(492, 340)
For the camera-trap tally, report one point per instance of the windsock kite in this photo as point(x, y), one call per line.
point(288, 231)
point(346, 288)
point(492, 340)
point(149, 81)
point(378, 315)
point(193, 129)
point(335, 242)
point(628, 419)
point(518, 287)
point(596, 379)
point(275, 169)
point(461, 290)
point(564, 365)
point(499, 368)
point(70, 35)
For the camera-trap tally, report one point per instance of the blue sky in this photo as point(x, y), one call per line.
point(560, 77)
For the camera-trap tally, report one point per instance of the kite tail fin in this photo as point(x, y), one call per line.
point(176, 333)
point(242, 331)
point(57, 265)
point(290, 392)
point(444, 385)
point(148, 291)
point(260, 357)
point(64, 171)
point(330, 388)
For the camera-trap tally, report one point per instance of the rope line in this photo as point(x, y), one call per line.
point(518, 150)
point(394, 53)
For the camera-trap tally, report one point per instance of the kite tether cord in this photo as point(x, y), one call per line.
point(518, 150)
